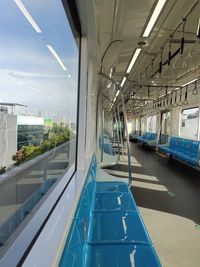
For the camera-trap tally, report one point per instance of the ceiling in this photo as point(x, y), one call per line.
point(114, 30)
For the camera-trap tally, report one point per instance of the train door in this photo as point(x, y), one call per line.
point(165, 127)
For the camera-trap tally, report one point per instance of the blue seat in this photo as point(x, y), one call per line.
point(120, 227)
point(121, 256)
point(105, 144)
point(134, 135)
point(107, 229)
point(147, 138)
point(10, 225)
point(108, 149)
point(182, 149)
point(117, 201)
point(74, 251)
point(102, 187)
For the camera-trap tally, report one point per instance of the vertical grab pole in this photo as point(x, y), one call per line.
point(102, 128)
point(117, 134)
point(120, 130)
point(112, 131)
point(127, 137)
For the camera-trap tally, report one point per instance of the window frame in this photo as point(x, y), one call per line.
point(33, 228)
point(198, 124)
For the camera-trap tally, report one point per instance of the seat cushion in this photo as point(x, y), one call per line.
point(114, 202)
point(117, 227)
point(102, 187)
point(165, 149)
point(121, 256)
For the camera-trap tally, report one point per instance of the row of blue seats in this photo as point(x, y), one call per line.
point(134, 135)
point(108, 149)
point(183, 149)
point(106, 146)
point(108, 230)
point(148, 138)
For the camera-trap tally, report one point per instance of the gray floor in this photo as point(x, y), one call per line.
point(168, 195)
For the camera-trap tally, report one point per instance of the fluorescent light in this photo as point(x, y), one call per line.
point(34, 89)
point(111, 107)
point(154, 17)
point(198, 29)
point(56, 56)
point(133, 60)
point(123, 81)
point(189, 82)
point(28, 16)
point(117, 93)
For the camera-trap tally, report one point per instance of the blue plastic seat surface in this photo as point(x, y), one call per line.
point(102, 187)
point(120, 227)
point(114, 202)
point(74, 250)
point(146, 137)
point(183, 149)
point(165, 149)
point(107, 229)
point(122, 256)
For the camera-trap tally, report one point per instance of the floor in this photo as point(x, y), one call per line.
point(168, 195)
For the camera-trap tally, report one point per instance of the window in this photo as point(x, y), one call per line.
point(142, 125)
point(130, 126)
point(151, 124)
point(190, 123)
point(165, 127)
point(137, 124)
point(38, 107)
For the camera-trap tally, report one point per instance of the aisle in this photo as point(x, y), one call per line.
point(168, 195)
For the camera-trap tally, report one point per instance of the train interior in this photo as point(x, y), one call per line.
point(100, 133)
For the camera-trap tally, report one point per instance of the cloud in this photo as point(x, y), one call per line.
point(25, 74)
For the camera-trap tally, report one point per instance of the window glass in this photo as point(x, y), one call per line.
point(130, 126)
point(142, 125)
point(137, 124)
point(151, 124)
point(38, 106)
point(165, 127)
point(190, 123)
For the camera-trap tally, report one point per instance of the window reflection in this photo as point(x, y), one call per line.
point(38, 106)
point(190, 123)
point(151, 124)
point(165, 127)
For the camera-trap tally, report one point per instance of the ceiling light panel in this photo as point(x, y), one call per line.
point(51, 49)
point(28, 15)
point(123, 81)
point(133, 60)
point(189, 82)
point(154, 17)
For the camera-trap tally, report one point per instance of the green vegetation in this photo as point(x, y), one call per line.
point(2, 170)
point(56, 136)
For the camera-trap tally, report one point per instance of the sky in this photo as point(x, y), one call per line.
point(29, 72)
